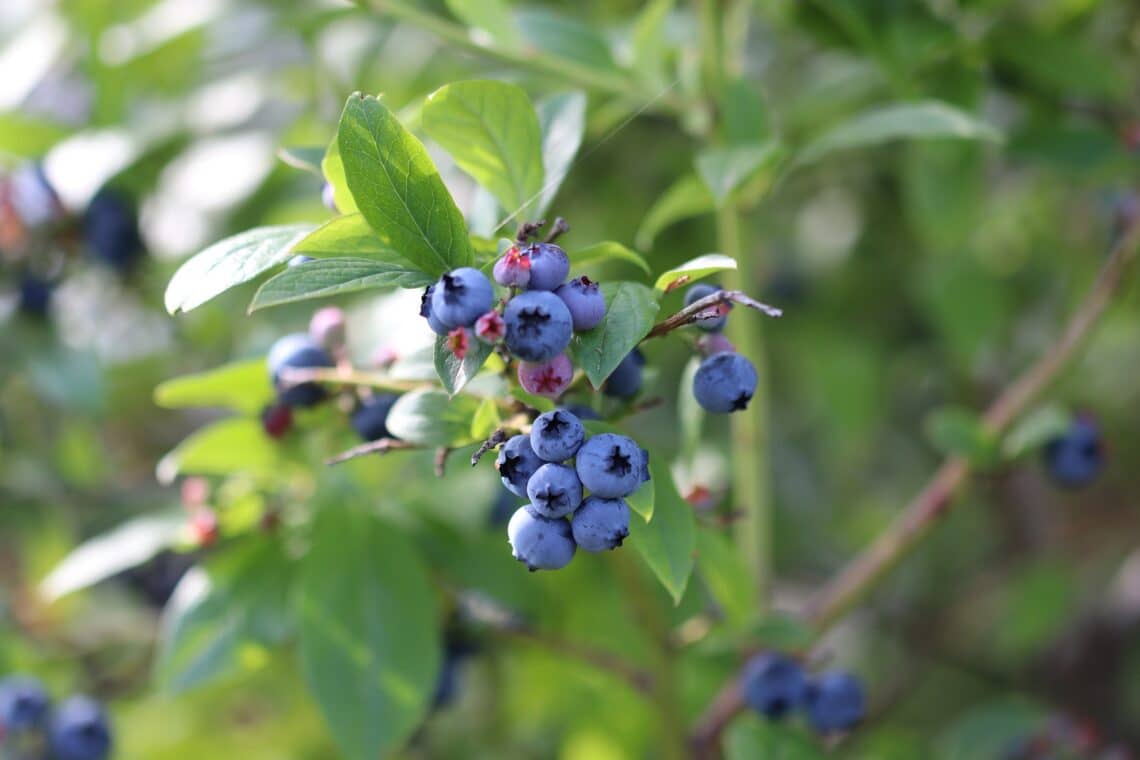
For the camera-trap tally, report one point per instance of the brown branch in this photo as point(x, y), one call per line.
point(381, 446)
point(496, 438)
point(441, 460)
point(855, 581)
point(560, 228)
point(527, 230)
point(697, 310)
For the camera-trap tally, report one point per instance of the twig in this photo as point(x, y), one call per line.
point(441, 460)
point(527, 230)
point(496, 438)
point(695, 311)
point(935, 500)
point(381, 446)
point(560, 228)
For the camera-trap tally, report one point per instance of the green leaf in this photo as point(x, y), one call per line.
point(630, 309)
point(749, 737)
point(608, 250)
point(306, 158)
point(744, 113)
point(562, 118)
point(686, 198)
point(243, 386)
point(723, 170)
point(491, 130)
point(453, 373)
point(370, 649)
point(332, 167)
point(490, 16)
point(548, 34)
point(486, 420)
point(27, 136)
point(237, 599)
point(922, 120)
point(1035, 430)
point(231, 262)
point(398, 189)
point(431, 418)
point(332, 277)
point(988, 730)
point(128, 545)
point(346, 235)
point(696, 269)
point(223, 447)
point(959, 432)
point(667, 542)
point(648, 42)
point(727, 576)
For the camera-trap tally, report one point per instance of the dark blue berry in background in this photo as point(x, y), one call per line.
point(610, 465)
point(539, 326)
point(725, 383)
point(696, 293)
point(516, 463)
point(549, 266)
point(156, 579)
point(111, 229)
point(625, 380)
point(773, 685)
point(461, 297)
point(554, 491)
point(79, 730)
point(600, 524)
point(506, 504)
point(35, 296)
point(835, 702)
point(539, 542)
point(585, 301)
point(297, 351)
point(23, 705)
point(557, 435)
point(1075, 459)
point(583, 412)
point(437, 327)
point(370, 420)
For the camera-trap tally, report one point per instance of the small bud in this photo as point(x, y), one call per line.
point(459, 342)
point(490, 328)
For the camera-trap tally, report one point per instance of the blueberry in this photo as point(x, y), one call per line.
point(437, 327)
point(557, 435)
point(550, 378)
point(704, 290)
point(643, 470)
point(600, 524)
point(725, 383)
point(111, 229)
point(1075, 459)
point(513, 269)
point(585, 301)
point(516, 463)
point(79, 731)
point(539, 542)
point(371, 418)
point(328, 327)
point(539, 326)
point(549, 265)
point(714, 343)
point(625, 380)
point(583, 412)
point(447, 683)
point(835, 702)
point(461, 296)
point(328, 197)
point(297, 351)
point(773, 685)
point(554, 491)
point(610, 465)
point(35, 296)
point(298, 260)
point(23, 705)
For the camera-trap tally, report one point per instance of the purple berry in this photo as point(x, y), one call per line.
point(549, 265)
point(513, 269)
point(549, 378)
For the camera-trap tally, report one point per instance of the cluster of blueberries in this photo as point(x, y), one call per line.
point(1075, 458)
point(725, 381)
point(37, 234)
point(537, 466)
point(776, 686)
point(32, 729)
point(318, 348)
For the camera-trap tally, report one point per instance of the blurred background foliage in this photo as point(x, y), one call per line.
point(913, 277)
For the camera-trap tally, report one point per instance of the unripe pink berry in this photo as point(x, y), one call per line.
point(490, 328)
point(328, 327)
point(714, 343)
point(550, 378)
point(513, 269)
point(204, 527)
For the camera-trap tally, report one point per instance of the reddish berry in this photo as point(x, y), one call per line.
point(459, 342)
point(490, 328)
point(549, 378)
point(513, 269)
point(277, 420)
point(195, 491)
point(204, 527)
point(714, 343)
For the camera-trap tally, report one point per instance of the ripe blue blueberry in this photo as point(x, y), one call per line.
point(1075, 459)
point(585, 301)
point(583, 412)
point(297, 351)
point(111, 230)
point(539, 542)
point(625, 380)
point(79, 730)
point(23, 704)
point(835, 702)
point(516, 463)
point(557, 435)
point(554, 491)
point(549, 266)
point(704, 290)
point(610, 465)
point(437, 327)
point(600, 524)
point(462, 296)
point(643, 471)
point(370, 420)
point(35, 296)
point(725, 383)
point(539, 326)
point(773, 685)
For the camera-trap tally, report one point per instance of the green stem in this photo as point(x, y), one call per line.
point(522, 55)
point(750, 459)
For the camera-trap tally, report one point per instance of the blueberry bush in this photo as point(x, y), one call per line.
point(471, 379)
